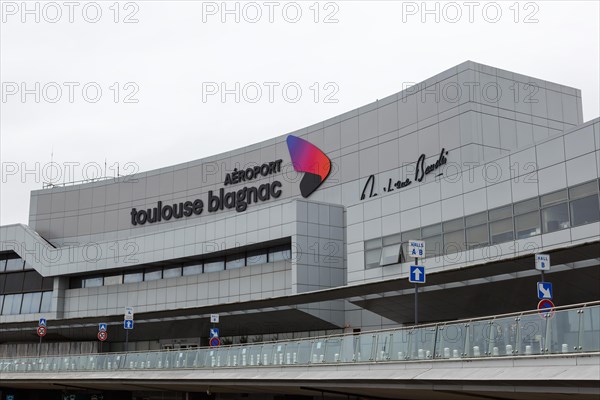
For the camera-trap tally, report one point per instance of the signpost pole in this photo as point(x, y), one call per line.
point(416, 297)
point(40, 347)
point(126, 339)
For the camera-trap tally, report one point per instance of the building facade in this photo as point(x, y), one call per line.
point(307, 233)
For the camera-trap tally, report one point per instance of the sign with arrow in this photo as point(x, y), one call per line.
point(417, 274)
point(544, 290)
point(214, 332)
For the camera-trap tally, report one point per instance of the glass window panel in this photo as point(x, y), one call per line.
point(454, 242)
point(280, 253)
point(433, 246)
point(2, 280)
point(133, 277)
point(256, 257)
point(431, 230)
point(1, 302)
point(454, 225)
point(14, 283)
point(235, 261)
point(501, 213)
point(392, 239)
point(585, 211)
point(528, 225)
point(92, 281)
point(477, 236)
point(76, 282)
point(502, 231)
point(47, 283)
point(14, 264)
point(415, 234)
point(372, 258)
point(12, 304)
point(31, 303)
point(527, 206)
point(583, 190)
point(476, 219)
point(113, 280)
point(153, 274)
point(214, 265)
point(554, 198)
point(32, 282)
point(46, 304)
point(390, 255)
point(172, 272)
point(2, 265)
point(555, 218)
point(27, 266)
point(373, 244)
point(193, 269)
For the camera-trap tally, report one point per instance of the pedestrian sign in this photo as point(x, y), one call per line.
point(417, 274)
point(544, 290)
point(128, 324)
point(129, 313)
point(416, 248)
point(214, 332)
point(42, 322)
point(102, 327)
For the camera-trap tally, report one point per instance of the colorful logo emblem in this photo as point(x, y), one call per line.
point(307, 158)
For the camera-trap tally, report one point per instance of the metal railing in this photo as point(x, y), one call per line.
point(563, 330)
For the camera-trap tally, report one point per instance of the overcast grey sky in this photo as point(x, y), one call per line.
point(161, 65)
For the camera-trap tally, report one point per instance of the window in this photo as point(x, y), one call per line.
point(133, 277)
point(527, 225)
point(153, 274)
point(14, 264)
point(477, 236)
point(256, 257)
point(477, 219)
point(32, 282)
point(555, 218)
point(502, 231)
point(92, 281)
point(2, 266)
point(14, 283)
point(527, 206)
point(76, 282)
point(46, 305)
point(454, 242)
point(192, 269)
point(172, 272)
point(554, 198)
point(31, 303)
point(113, 280)
point(214, 265)
point(431, 230)
point(500, 213)
point(372, 253)
point(433, 246)
point(280, 253)
point(584, 204)
point(390, 255)
point(235, 261)
point(12, 304)
point(48, 283)
point(454, 225)
point(1, 301)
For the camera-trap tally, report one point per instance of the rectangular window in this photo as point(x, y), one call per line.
point(476, 219)
point(454, 225)
point(152, 274)
point(500, 213)
point(372, 258)
point(527, 206)
point(32, 282)
point(92, 281)
point(214, 265)
point(585, 210)
point(14, 264)
point(390, 255)
point(584, 190)
point(133, 277)
point(2, 265)
point(113, 280)
point(47, 283)
point(46, 305)
point(1, 302)
point(14, 283)
point(454, 242)
point(433, 246)
point(553, 198)
point(555, 218)
point(477, 236)
point(76, 282)
point(12, 304)
point(415, 234)
point(172, 272)
point(256, 257)
point(235, 261)
point(2, 281)
point(431, 230)
point(392, 239)
point(280, 253)
point(192, 269)
point(527, 225)
point(502, 231)
point(31, 303)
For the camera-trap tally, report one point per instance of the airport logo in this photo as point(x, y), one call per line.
point(308, 158)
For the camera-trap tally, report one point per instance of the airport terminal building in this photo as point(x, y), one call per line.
point(306, 233)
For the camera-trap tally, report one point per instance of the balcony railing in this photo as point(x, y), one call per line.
point(564, 330)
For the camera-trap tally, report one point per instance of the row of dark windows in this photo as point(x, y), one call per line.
point(233, 261)
point(578, 205)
